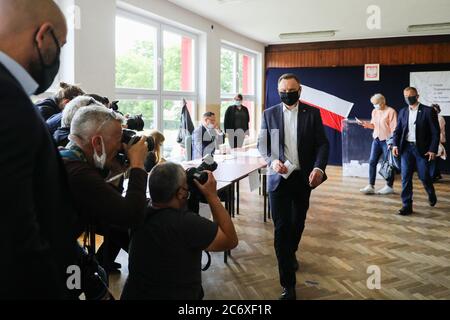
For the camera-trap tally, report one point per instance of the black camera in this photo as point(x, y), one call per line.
point(130, 137)
point(199, 173)
point(136, 123)
point(201, 176)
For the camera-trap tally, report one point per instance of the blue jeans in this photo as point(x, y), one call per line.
point(411, 156)
point(378, 148)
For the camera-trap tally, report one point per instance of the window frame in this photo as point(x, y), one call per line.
point(159, 94)
point(230, 96)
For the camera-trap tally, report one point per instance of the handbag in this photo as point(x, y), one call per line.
point(387, 169)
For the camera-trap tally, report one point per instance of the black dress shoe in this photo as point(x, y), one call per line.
point(288, 294)
point(405, 211)
point(432, 200)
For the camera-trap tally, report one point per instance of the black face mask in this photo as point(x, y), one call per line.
point(48, 71)
point(411, 100)
point(290, 98)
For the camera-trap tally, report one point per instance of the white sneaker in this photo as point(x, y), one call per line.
point(385, 190)
point(369, 189)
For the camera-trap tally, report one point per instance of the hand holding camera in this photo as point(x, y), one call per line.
point(209, 188)
point(137, 153)
point(136, 148)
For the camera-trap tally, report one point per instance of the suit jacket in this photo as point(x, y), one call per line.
point(203, 143)
point(427, 130)
point(313, 145)
point(38, 235)
point(229, 119)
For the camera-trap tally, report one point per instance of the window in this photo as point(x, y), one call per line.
point(238, 75)
point(136, 54)
point(137, 107)
point(179, 62)
point(171, 123)
point(156, 68)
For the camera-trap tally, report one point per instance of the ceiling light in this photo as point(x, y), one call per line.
point(227, 1)
point(312, 34)
point(429, 27)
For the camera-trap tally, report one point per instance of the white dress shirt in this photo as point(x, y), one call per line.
point(411, 137)
point(28, 84)
point(290, 135)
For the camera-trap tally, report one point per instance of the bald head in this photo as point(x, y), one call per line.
point(32, 33)
point(18, 16)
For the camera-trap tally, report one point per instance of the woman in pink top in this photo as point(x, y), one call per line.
point(383, 123)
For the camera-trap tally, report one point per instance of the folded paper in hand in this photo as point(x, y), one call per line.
point(291, 167)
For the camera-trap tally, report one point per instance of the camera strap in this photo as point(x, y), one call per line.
point(208, 264)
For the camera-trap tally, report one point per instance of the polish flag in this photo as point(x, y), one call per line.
point(332, 108)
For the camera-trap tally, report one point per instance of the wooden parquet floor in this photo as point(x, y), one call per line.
point(346, 232)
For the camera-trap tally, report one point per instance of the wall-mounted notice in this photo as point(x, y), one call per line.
point(433, 87)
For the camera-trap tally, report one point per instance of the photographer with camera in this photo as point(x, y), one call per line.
point(96, 138)
point(166, 250)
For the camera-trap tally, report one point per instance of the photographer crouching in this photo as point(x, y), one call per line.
point(166, 250)
point(96, 138)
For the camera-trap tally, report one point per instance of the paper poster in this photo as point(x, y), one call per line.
point(433, 87)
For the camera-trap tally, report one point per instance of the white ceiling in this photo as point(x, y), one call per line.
point(264, 20)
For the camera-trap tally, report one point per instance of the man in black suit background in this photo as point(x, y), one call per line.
point(292, 138)
point(416, 140)
point(37, 234)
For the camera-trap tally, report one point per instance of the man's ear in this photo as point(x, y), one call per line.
point(179, 195)
point(96, 143)
point(43, 32)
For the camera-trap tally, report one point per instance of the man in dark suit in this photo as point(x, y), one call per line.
point(292, 139)
point(416, 140)
point(37, 232)
point(207, 137)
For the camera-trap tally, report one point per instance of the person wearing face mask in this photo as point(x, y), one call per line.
point(95, 139)
point(236, 123)
point(294, 145)
point(38, 217)
point(206, 138)
point(166, 250)
point(383, 123)
point(416, 141)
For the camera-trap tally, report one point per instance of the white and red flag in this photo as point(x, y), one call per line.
point(333, 109)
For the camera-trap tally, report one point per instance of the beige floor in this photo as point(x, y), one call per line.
point(346, 233)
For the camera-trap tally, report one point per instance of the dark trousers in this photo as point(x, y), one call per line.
point(289, 203)
point(236, 138)
point(378, 148)
point(115, 238)
point(412, 158)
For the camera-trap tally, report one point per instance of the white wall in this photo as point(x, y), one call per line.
point(93, 53)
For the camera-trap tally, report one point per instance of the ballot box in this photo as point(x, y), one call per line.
point(356, 146)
